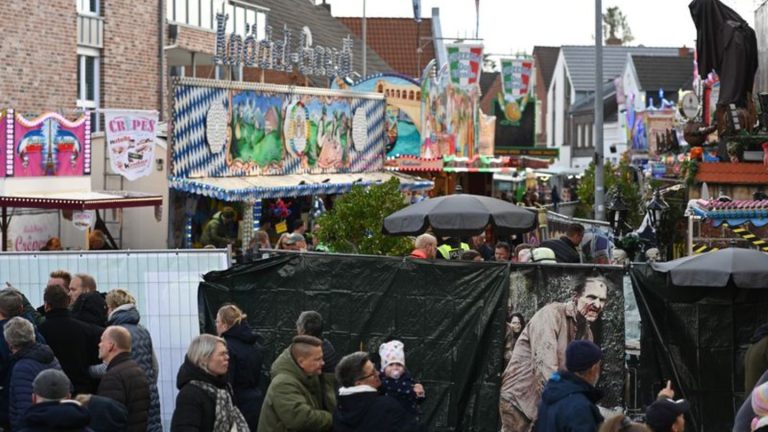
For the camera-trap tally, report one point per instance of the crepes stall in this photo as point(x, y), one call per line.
point(237, 143)
point(46, 164)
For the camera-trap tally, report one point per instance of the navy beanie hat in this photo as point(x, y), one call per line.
point(580, 355)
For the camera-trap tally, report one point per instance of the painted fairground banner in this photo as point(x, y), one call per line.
point(30, 232)
point(235, 129)
point(403, 120)
point(49, 145)
point(464, 63)
point(451, 118)
point(131, 141)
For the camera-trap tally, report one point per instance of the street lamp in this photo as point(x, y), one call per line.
point(656, 208)
point(617, 211)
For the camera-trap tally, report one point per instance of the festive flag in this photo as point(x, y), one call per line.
point(464, 62)
point(516, 77)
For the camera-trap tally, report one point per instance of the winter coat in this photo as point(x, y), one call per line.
point(401, 390)
point(27, 363)
point(756, 358)
point(565, 251)
point(75, 344)
point(65, 416)
point(295, 401)
point(6, 364)
point(90, 308)
point(143, 353)
point(195, 408)
point(107, 415)
point(368, 411)
point(126, 383)
point(245, 361)
point(539, 352)
point(568, 405)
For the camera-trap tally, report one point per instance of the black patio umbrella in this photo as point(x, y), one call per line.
point(746, 267)
point(461, 216)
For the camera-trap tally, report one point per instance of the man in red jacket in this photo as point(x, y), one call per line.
point(425, 247)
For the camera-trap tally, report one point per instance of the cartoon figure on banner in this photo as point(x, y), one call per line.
point(49, 145)
point(330, 122)
point(256, 130)
point(639, 138)
point(540, 349)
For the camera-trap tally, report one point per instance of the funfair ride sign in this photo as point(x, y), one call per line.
point(281, 54)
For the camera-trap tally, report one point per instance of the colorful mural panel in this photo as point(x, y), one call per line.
point(451, 123)
point(273, 132)
point(49, 145)
point(403, 120)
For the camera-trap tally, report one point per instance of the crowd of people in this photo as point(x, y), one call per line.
point(83, 362)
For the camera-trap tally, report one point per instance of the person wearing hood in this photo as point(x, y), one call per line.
point(204, 402)
point(51, 409)
point(295, 398)
point(245, 360)
point(121, 309)
point(360, 407)
point(87, 303)
point(28, 358)
point(756, 358)
point(569, 398)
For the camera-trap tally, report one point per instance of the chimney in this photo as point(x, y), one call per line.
point(326, 5)
point(613, 41)
point(683, 51)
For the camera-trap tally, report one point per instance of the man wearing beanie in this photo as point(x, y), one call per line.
point(52, 410)
point(540, 350)
point(569, 398)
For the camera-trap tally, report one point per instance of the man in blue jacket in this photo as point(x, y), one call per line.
point(569, 398)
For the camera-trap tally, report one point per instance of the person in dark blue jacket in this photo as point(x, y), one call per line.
point(29, 359)
point(569, 398)
point(52, 410)
point(245, 359)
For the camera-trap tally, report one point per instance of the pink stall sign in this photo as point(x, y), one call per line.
point(51, 145)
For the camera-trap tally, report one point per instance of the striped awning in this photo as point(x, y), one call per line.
point(734, 213)
point(253, 188)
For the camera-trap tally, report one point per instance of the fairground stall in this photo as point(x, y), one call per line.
point(46, 164)
point(251, 146)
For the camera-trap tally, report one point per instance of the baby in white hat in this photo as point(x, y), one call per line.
point(396, 381)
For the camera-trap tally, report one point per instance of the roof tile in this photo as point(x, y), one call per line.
point(397, 40)
point(732, 173)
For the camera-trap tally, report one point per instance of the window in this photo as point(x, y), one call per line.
point(202, 13)
point(88, 81)
point(88, 6)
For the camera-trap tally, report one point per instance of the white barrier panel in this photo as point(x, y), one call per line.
point(163, 282)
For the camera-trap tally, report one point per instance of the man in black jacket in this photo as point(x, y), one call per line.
point(87, 303)
point(360, 406)
point(74, 342)
point(566, 247)
point(124, 382)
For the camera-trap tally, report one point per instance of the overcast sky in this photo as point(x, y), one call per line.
point(512, 26)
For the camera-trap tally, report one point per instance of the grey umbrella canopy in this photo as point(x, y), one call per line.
point(461, 216)
point(747, 268)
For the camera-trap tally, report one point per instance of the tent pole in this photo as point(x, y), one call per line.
point(5, 228)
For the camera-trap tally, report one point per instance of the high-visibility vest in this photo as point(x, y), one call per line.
point(451, 253)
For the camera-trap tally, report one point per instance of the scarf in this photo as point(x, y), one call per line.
point(228, 417)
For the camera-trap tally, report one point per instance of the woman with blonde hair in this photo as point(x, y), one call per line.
point(204, 402)
point(245, 361)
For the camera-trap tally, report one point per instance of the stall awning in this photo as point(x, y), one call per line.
point(252, 188)
point(734, 213)
point(81, 200)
